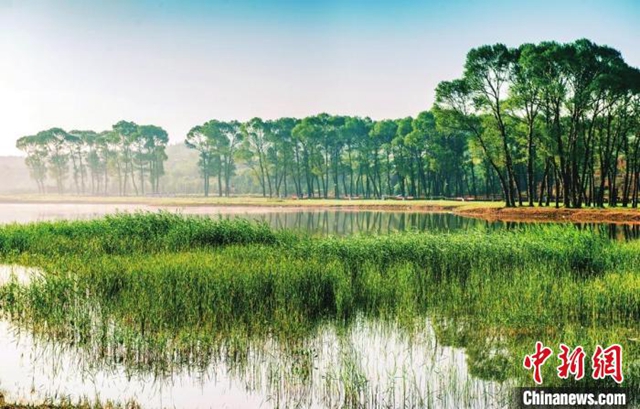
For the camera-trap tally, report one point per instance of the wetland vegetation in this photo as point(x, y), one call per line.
point(156, 294)
point(257, 204)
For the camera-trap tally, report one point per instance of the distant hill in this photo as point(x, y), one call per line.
point(14, 176)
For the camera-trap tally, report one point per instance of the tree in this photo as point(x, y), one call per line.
point(36, 159)
point(56, 143)
point(256, 142)
point(383, 133)
point(199, 139)
point(546, 121)
point(488, 72)
point(454, 110)
point(150, 142)
point(126, 133)
point(232, 133)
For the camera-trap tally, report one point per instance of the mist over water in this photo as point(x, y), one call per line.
point(324, 222)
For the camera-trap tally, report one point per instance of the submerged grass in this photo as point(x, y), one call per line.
point(154, 281)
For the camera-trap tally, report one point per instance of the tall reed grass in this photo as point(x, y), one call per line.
point(153, 280)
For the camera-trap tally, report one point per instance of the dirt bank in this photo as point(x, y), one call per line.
point(544, 214)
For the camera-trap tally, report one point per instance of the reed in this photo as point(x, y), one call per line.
point(179, 290)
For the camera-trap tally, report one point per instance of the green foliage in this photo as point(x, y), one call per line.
point(152, 283)
point(126, 233)
point(334, 276)
point(92, 158)
point(548, 103)
point(535, 122)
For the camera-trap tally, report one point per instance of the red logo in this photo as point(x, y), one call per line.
point(606, 362)
point(572, 362)
point(536, 360)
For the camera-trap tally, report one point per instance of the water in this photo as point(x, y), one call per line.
point(34, 371)
point(372, 362)
point(18, 274)
point(335, 222)
point(315, 221)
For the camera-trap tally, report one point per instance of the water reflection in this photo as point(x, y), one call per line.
point(340, 223)
point(625, 232)
point(373, 364)
point(334, 222)
point(614, 231)
point(18, 274)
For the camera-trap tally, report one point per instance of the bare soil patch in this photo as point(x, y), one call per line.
point(551, 214)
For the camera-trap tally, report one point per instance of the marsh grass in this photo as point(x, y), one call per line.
point(159, 291)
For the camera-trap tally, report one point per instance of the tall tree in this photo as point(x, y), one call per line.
point(36, 159)
point(127, 133)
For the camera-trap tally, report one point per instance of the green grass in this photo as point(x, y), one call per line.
point(158, 281)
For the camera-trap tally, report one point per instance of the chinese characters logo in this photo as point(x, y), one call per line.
point(605, 362)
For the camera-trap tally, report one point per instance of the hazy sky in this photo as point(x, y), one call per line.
point(81, 64)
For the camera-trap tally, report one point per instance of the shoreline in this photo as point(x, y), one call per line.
point(553, 215)
point(490, 211)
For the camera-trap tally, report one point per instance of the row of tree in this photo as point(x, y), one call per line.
point(336, 156)
point(565, 115)
point(539, 122)
point(318, 156)
point(129, 156)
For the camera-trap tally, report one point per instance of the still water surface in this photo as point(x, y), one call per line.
point(337, 222)
point(371, 363)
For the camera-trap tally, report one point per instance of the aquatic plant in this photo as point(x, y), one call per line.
point(158, 290)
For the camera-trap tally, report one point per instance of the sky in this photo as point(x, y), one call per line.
point(84, 64)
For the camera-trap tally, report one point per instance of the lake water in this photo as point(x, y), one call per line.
point(335, 222)
point(329, 368)
point(371, 362)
